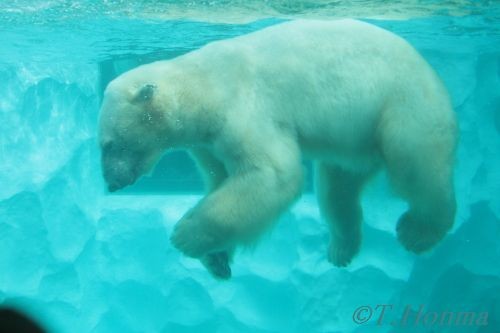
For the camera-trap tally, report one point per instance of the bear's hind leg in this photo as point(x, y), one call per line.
point(338, 193)
point(421, 172)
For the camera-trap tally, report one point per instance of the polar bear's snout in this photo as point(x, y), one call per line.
point(119, 171)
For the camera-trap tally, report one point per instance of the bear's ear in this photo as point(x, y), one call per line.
point(146, 93)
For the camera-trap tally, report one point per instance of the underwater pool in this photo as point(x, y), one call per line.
point(79, 259)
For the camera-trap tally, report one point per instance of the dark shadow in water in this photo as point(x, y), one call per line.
point(13, 321)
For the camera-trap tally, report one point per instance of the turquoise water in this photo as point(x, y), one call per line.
point(81, 260)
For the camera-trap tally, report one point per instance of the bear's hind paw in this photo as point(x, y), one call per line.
point(418, 236)
point(341, 252)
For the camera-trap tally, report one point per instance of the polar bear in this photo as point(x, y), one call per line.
point(349, 95)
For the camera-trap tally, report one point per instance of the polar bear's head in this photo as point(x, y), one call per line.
point(133, 130)
point(150, 109)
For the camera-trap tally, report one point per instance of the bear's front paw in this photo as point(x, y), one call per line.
point(218, 264)
point(191, 238)
point(342, 250)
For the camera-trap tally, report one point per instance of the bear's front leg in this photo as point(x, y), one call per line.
point(214, 173)
point(266, 182)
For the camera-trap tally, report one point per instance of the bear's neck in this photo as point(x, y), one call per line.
point(198, 121)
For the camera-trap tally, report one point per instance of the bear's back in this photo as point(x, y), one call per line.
point(340, 50)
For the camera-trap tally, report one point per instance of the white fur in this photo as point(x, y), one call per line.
point(347, 94)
